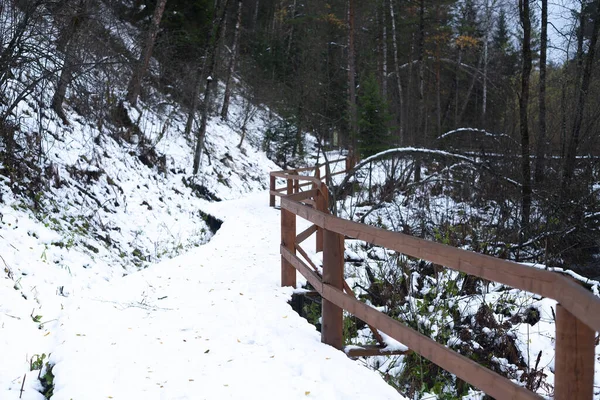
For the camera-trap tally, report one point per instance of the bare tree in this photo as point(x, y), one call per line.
point(135, 83)
point(421, 117)
point(69, 43)
point(541, 139)
point(525, 19)
point(207, 90)
point(397, 73)
point(352, 112)
point(583, 80)
point(232, 61)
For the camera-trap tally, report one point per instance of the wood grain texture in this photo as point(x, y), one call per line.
point(333, 274)
point(288, 240)
point(574, 360)
point(305, 234)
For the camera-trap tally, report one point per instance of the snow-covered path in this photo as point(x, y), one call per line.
point(211, 324)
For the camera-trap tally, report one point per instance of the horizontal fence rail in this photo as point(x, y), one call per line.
point(577, 314)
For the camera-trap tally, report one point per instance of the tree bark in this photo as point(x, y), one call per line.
point(384, 54)
point(207, 91)
point(135, 83)
point(586, 73)
point(291, 36)
point(397, 72)
point(232, 62)
point(541, 139)
point(524, 16)
point(69, 44)
point(486, 40)
point(352, 116)
point(457, 84)
point(66, 74)
point(200, 71)
point(255, 16)
point(421, 128)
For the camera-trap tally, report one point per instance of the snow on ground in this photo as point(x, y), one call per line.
point(89, 283)
point(209, 324)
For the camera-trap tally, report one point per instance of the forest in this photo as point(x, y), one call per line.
point(472, 122)
point(471, 76)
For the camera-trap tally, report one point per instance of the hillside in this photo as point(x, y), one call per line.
point(84, 202)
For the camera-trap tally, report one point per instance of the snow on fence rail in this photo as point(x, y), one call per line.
point(577, 314)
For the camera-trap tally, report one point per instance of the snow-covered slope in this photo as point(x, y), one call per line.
point(108, 208)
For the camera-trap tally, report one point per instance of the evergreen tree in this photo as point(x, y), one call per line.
point(373, 119)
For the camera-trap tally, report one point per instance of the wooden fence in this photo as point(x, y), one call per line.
point(577, 314)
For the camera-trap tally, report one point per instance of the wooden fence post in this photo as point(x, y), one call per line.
point(333, 274)
point(288, 239)
point(290, 186)
point(320, 207)
point(574, 358)
point(271, 189)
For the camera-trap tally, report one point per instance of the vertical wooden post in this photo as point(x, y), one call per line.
point(288, 239)
point(319, 204)
point(574, 359)
point(333, 274)
point(290, 186)
point(271, 189)
point(296, 182)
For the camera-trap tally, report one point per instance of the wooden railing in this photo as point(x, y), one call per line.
point(577, 314)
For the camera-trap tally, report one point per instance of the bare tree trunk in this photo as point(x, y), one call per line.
point(457, 84)
point(384, 54)
point(135, 83)
point(68, 42)
point(421, 127)
point(207, 91)
point(541, 139)
point(409, 122)
point(397, 72)
point(196, 93)
point(200, 72)
point(255, 16)
point(66, 74)
point(524, 16)
point(232, 61)
point(438, 101)
point(249, 112)
point(291, 37)
point(486, 40)
point(470, 90)
point(352, 116)
point(586, 74)
point(563, 113)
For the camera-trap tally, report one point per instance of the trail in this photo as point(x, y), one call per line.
point(210, 324)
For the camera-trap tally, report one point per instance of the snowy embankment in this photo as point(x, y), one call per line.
point(104, 207)
point(210, 324)
point(76, 301)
